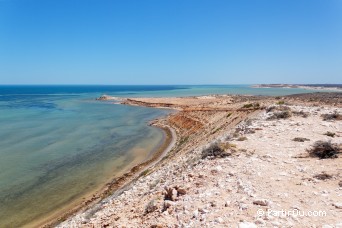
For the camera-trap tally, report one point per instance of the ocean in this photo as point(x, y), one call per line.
point(58, 144)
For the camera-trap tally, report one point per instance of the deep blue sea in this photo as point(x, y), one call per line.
point(57, 144)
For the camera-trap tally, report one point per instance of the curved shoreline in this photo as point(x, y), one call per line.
point(199, 184)
point(117, 185)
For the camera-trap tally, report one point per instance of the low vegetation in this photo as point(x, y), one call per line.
point(280, 102)
point(301, 113)
point(278, 108)
point(280, 115)
point(332, 116)
point(330, 134)
point(322, 176)
point(150, 207)
point(324, 150)
point(300, 139)
point(242, 138)
point(251, 105)
point(217, 150)
point(183, 140)
point(144, 173)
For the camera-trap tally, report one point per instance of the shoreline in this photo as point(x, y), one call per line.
point(193, 187)
point(176, 136)
point(240, 124)
point(117, 184)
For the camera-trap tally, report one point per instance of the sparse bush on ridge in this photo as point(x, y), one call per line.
point(280, 102)
point(282, 109)
point(330, 134)
point(332, 116)
point(280, 115)
point(217, 150)
point(247, 106)
point(300, 139)
point(278, 108)
point(301, 113)
point(251, 105)
point(323, 176)
point(324, 149)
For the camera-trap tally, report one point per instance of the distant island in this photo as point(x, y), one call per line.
point(301, 86)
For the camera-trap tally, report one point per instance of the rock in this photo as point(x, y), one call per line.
point(218, 168)
point(195, 214)
point(213, 204)
point(227, 203)
point(181, 191)
point(276, 223)
point(157, 226)
point(243, 206)
point(203, 211)
point(338, 225)
point(327, 226)
point(168, 204)
point(219, 220)
point(247, 225)
point(340, 183)
point(170, 194)
point(150, 207)
point(338, 205)
point(260, 221)
point(174, 194)
point(261, 202)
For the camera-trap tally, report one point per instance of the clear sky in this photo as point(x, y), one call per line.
point(170, 41)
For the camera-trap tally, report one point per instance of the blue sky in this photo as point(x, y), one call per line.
point(170, 41)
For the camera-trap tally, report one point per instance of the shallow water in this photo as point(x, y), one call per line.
point(57, 144)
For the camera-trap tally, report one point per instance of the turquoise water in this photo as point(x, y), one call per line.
point(58, 144)
point(192, 90)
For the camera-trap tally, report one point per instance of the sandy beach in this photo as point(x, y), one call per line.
point(237, 161)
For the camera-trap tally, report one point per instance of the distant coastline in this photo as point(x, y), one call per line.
point(332, 87)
